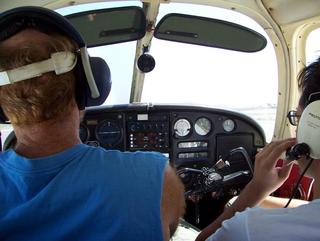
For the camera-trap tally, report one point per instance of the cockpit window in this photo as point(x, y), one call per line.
point(120, 57)
point(312, 46)
point(190, 74)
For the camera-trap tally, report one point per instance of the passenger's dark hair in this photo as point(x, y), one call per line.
point(309, 83)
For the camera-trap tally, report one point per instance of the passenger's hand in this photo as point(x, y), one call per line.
point(267, 177)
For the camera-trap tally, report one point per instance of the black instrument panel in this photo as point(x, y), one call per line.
point(191, 136)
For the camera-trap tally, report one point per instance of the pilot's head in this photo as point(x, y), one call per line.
point(45, 68)
point(48, 97)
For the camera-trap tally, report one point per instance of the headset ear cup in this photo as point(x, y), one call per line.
point(102, 77)
point(308, 130)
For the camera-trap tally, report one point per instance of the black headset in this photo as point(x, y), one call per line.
point(93, 78)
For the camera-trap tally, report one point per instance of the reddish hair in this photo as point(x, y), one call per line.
point(39, 99)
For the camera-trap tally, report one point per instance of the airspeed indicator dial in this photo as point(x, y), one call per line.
point(202, 126)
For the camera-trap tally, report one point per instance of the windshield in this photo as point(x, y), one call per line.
point(197, 75)
point(190, 74)
point(120, 57)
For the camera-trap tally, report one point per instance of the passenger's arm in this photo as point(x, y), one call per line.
point(266, 178)
point(172, 203)
point(275, 202)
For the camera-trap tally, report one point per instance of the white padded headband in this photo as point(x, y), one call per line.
point(59, 62)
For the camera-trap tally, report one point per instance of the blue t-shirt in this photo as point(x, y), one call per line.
point(83, 193)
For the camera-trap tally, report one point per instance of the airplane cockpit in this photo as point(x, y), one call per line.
point(206, 83)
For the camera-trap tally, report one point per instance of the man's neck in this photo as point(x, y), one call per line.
point(48, 137)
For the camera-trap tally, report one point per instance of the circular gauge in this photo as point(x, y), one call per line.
point(83, 133)
point(228, 125)
point(108, 133)
point(182, 127)
point(202, 126)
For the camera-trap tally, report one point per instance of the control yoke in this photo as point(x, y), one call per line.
point(204, 180)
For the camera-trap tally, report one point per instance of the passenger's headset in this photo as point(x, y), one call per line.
point(308, 145)
point(93, 79)
point(308, 133)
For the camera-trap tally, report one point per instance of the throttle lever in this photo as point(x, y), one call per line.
point(187, 169)
point(234, 175)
